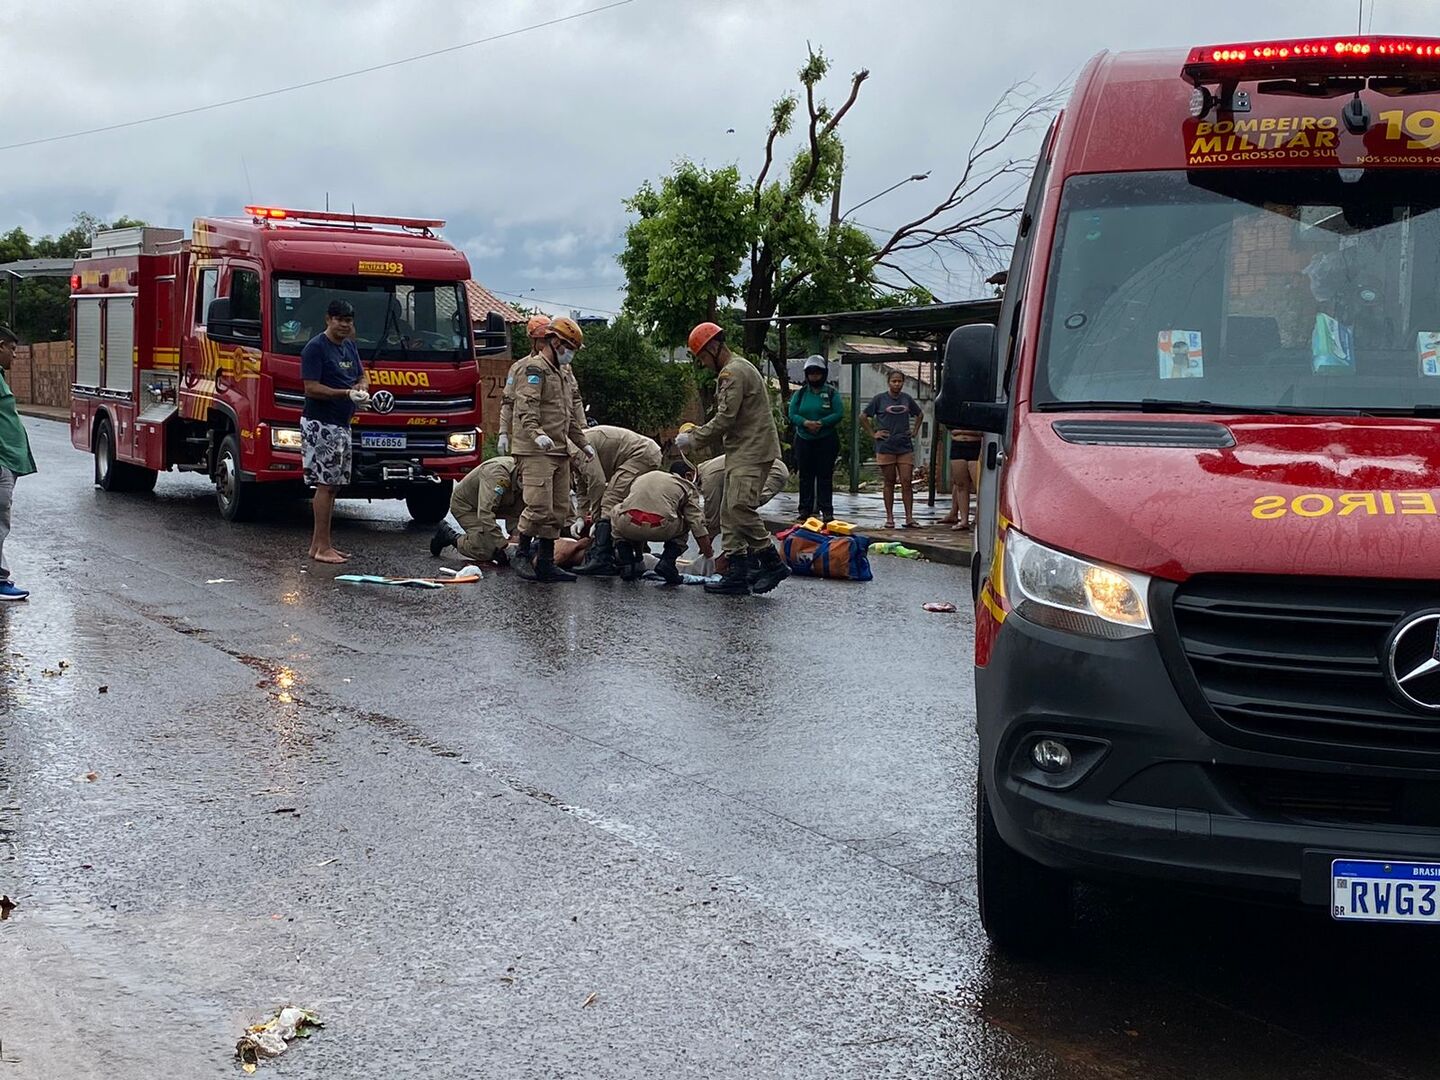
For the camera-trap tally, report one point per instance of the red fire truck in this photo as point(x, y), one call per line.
point(187, 354)
point(1207, 639)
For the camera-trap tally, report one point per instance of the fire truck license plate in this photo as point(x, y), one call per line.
point(370, 440)
point(1385, 891)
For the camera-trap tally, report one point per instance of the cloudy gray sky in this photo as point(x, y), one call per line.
point(528, 145)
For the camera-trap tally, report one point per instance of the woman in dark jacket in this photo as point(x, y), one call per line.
point(816, 412)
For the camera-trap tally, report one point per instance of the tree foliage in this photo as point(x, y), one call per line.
point(42, 305)
point(626, 380)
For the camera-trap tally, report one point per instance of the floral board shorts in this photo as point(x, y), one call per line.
point(325, 450)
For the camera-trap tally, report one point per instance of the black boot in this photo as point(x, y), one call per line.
point(524, 561)
point(770, 570)
point(736, 581)
point(666, 568)
point(444, 536)
point(600, 559)
point(625, 560)
point(545, 568)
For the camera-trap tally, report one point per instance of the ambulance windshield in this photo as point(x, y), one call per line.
point(400, 320)
point(1300, 290)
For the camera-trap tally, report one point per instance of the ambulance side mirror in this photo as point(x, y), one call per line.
point(968, 381)
point(220, 325)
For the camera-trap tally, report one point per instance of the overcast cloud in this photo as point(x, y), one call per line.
point(527, 146)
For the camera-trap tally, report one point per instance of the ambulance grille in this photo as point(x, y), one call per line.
point(1298, 661)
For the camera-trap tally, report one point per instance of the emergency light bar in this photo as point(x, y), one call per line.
point(1313, 57)
point(276, 213)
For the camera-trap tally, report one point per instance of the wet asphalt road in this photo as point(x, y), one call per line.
point(739, 830)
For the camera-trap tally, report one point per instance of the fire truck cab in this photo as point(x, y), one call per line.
point(187, 354)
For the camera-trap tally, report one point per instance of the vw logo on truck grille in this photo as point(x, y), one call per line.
point(1413, 660)
point(382, 401)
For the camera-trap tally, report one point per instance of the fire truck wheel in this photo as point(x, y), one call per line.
point(428, 505)
point(110, 475)
point(236, 497)
point(1026, 908)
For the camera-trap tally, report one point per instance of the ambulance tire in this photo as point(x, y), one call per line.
point(429, 504)
point(236, 498)
point(142, 480)
point(1026, 909)
point(112, 474)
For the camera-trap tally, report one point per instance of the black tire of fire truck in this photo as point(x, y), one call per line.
point(1027, 909)
point(236, 497)
point(113, 475)
point(429, 504)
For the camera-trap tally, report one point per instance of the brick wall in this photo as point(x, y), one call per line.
point(1266, 278)
point(41, 374)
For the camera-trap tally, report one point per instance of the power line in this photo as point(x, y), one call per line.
point(319, 82)
point(557, 303)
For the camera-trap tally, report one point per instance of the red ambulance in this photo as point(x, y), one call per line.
point(187, 354)
point(1208, 561)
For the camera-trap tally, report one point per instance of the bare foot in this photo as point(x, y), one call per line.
point(329, 556)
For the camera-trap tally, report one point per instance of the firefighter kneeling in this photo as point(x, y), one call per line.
point(661, 506)
point(490, 493)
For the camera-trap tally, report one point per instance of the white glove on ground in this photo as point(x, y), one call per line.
point(544, 442)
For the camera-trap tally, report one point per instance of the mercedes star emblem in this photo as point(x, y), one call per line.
point(382, 401)
point(1413, 660)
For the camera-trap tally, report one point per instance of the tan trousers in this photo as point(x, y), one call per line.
point(741, 529)
point(546, 481)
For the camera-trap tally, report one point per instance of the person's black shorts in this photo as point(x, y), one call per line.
point(964, 450)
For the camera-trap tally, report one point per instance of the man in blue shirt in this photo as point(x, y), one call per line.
point(335, 383)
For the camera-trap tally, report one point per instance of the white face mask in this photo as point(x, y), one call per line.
point(564, 356)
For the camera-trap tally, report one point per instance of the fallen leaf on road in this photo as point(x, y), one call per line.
point(590, 1000)
point(64, 664)
point(92, 776)
point(104, 689)
point(270, 1039)
point(285, 810)
point(6, 906)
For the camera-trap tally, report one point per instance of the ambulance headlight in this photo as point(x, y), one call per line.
point(1062, 592)
point(285, 438)
point(461, 442)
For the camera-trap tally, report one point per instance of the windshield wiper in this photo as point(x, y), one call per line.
point(380, 341)
point(1165, 405)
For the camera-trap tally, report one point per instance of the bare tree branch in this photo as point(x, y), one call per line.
point(903, 273)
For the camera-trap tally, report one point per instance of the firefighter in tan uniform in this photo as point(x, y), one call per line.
point(745, 425)
point(491, 492)
point(535, 328)
point(603, 482)
point(548, 411)
point(662, 506)
point(710, 475)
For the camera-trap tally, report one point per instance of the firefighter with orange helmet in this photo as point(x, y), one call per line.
point(548, 412)
point(744, 427)
point(535, 328)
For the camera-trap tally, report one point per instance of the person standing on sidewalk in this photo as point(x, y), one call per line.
point(744, 424)
point(548, 411)
point(893, 419)
point(816, 412)
point(16, 460)
point(335, 383)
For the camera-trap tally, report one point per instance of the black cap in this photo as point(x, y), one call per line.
point(340, 309)
point(682, 467)
point(8, 336)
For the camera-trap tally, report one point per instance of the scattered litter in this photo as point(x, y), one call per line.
point(220, 581)
point(92, 776)
point(285, 810)
point(270, 1039)
point(327, 862)
point(376, 579)
point(891, 547)
point(698, 579)
point(590, 1000)
point(942, 606)
point(6, 906)
point(104, 689)
point(470, 572)
point(64, 664)
point(49, 673)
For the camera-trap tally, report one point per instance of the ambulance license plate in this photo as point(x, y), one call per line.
point(1368, 891)
point(370, 440)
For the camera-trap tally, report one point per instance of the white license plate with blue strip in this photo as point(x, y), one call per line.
point(1363, 890)
point(370, 440)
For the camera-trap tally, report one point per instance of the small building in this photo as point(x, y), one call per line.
point(493, 369)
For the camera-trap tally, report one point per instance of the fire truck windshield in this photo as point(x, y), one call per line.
point(1300, 290)
point(407, 320)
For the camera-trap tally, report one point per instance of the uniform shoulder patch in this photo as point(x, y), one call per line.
point(727, 374)
point(535, 379)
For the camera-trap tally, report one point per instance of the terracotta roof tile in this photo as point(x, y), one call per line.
point(483, 301)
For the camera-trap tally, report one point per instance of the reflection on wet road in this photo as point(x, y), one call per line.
point(446, 820)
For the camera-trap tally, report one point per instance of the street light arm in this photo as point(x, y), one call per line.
point(908, 180)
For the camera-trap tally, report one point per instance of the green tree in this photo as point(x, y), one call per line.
point(42, 305)
point(626, 380)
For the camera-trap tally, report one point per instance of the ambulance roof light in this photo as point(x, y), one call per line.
point(1312, 57)
point(275, 213)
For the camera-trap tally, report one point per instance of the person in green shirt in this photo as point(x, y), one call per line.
point(15, 458)
point(816, 412)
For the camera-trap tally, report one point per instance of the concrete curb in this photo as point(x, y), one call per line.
point(42, 412)
point(946, 554)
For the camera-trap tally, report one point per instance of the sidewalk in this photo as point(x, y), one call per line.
point(936, 542)
point(45, 412)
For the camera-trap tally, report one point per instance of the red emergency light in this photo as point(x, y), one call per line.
point(74, 282)
point(276, 213)
point(1313, 57)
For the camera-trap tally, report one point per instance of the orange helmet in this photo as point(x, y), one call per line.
point(702, 335)
point(536, 325)
point(568, 331)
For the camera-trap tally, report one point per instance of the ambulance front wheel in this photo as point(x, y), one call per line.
point(429, 504)
point(236, 498)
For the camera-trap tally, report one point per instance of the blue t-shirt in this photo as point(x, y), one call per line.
point(892, 415)
point(334, 365)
